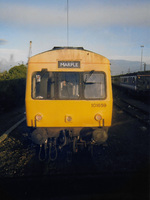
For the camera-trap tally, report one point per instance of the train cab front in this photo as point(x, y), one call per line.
point(69, 102)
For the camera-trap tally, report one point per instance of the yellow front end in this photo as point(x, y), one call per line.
point(68, 113)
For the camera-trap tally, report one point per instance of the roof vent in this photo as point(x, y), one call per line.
point(58, 48)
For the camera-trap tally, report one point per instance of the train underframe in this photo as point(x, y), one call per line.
point(52, 140)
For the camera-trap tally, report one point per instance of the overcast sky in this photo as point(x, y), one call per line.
point(113, 28)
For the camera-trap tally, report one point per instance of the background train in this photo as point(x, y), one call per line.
point(137, 83)
point(68, 98)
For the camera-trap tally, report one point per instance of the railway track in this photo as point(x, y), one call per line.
point(6, 133)
point(135, 108)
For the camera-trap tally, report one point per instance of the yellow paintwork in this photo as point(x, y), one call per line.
point(55, 112)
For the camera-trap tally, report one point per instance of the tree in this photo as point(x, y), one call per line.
point(17, 72)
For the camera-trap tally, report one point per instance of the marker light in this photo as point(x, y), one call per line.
point(38, 117)
point(98, 117)
point(68, 118)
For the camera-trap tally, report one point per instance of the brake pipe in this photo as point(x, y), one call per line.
point(44, 147)
point(51, 151)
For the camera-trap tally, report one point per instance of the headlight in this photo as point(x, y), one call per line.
point(38, 117)
point(98, 117)
point(68, 118)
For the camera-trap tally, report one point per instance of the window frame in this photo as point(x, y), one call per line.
point(33, 90)
point(58, 89)
point(81, 86)
point(105, 84)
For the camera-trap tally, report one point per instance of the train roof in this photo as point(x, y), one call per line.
point(52, 55)
point(134, 74)
point(66, 48)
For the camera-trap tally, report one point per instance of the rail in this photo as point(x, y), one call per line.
point(5, 135)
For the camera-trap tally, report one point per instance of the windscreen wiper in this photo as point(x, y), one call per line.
point(91, 72)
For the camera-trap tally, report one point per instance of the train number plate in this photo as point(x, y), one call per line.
point(101, 105)
point(68, 64)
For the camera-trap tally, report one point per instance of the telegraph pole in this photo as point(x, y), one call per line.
point(67, 23)
point(30, 50)
point(142, 46)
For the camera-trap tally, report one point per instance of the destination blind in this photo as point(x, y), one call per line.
point(68, 64)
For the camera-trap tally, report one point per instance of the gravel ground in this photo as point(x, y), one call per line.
point(15, 152)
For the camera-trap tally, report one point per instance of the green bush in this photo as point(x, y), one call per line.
point(17, 72)
point(12, 87)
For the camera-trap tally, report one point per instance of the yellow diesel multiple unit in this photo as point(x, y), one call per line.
point(68, 96)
